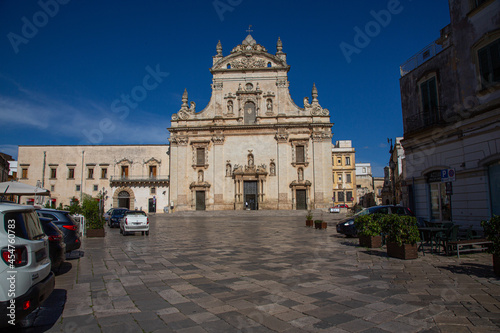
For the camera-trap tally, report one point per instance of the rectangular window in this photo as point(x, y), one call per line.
point(52, 188)
point(24, 173)
point(428, 91)
point(348, 160)
point(348, 178)
point(300, 154)
point(349, 195)
point(153, 190)
point(53, 173)
point(104, 173)
point(77, 188)
point(91, 173)
point(489, 64)
point(341, 196)
point(96, 187)
point(152, 171)
point(340, 177)
point(200, 156)
point(124, 171)
point(71, 173)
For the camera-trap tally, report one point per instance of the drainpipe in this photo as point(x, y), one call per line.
point(81, 179)
point(43, 168)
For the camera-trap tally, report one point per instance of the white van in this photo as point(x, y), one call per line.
point(25, 277)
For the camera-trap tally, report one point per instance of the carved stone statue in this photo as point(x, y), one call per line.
point(200, 176)
point(272, 169)
point(228, 170)
point(306, 102)
point(269, 105)
point(192, 108)
point(230, 107)
point(250, 160)
point(301, 174)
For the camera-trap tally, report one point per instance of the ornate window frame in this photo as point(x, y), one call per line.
point(203, 145)
point(300, 142)
point(486, 40)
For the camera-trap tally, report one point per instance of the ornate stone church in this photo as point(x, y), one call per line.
point(251, 147)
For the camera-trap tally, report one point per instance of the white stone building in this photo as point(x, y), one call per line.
point(251, 146)
point(132, 176)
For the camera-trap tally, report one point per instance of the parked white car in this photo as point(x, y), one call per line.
point(134, 221)
point(26, 280)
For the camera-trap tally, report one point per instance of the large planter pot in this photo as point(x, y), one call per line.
point(309, 223)
point(370, 241)
point(496, 264)
point(406, 251)
point(321, 225)
point(95, 232)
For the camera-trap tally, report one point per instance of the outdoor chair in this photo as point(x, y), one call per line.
point(450, 235)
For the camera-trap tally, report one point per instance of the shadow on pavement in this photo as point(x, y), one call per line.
point(43, 318)
point(64, 268)
point(479, 270)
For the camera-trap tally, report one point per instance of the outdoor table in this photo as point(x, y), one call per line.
point(431, 232)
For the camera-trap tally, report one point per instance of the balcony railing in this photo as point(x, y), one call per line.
point(418, 59)
point(423, 120)
point(139, 179)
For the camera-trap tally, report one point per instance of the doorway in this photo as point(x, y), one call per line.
point(250, 195)
point(200, 200)
point(124, 199)
point(152, 205)
point(301, 198)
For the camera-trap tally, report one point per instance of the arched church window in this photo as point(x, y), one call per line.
point(269, 64)
point(250, 113)
point(272, 169)
point(228, 66)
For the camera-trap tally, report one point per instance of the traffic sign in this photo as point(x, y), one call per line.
point(448, 175)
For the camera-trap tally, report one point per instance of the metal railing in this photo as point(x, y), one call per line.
point(425, 119)
point(418, 59)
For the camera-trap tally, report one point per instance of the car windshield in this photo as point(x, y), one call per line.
point(27, 224)
point(119, 212)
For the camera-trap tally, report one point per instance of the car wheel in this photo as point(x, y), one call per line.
point(147, 233)
point(143, 233)
point(121, 231)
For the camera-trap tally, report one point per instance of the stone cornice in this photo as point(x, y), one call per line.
point(247, 127)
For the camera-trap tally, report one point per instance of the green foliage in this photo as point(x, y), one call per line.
point(356, 208)
point(309, 215)
point(368, 225)
point(318, 221)
point(90, 209)
point(74, 207)
point(401, 229)
point(492, 233)
point(60, 207)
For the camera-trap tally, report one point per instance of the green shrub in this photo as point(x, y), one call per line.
point(401, 229)
point(90, 209)
point(368, 225)
point(309, 215)
point(492, 233)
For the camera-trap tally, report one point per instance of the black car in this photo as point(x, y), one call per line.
point(116, 215)
point(69, 227)
point(347, 227)
point(57, 247)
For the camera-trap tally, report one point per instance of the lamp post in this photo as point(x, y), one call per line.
point(392, 166)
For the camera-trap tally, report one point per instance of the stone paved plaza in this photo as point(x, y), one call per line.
point(262, 271)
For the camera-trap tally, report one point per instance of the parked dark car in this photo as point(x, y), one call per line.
point(116, 215)
point(347, 227)
point(57, 247)
point(69, 227)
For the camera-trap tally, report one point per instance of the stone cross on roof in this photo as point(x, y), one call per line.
point(249, 29)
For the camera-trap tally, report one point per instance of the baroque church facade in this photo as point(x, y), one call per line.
point(251, 147)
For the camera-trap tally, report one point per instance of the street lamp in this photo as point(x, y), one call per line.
point(392, 166)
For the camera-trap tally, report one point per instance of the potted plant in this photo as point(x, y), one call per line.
point(309, 219)
point(320, 224)
point(492, 233)
point(369, 230)
point(94, 221)
point(402, 236)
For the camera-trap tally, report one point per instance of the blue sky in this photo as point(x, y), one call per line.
point(65, 65)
